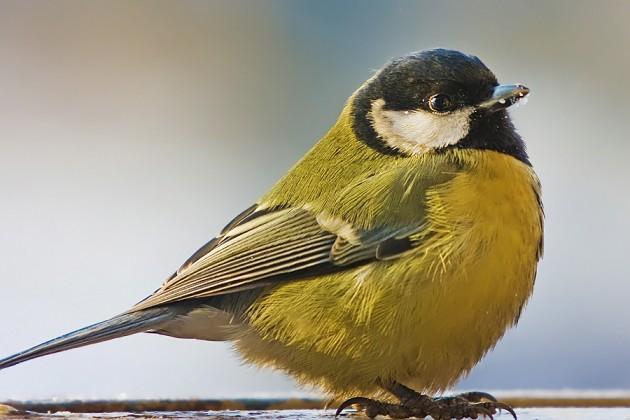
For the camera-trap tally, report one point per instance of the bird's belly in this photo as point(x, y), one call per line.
point(425, 319)
point(425, 333)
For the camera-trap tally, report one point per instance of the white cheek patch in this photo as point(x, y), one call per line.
point(415, 132)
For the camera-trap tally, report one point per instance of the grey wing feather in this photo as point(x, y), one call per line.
point(268, 246)
point(370, 244)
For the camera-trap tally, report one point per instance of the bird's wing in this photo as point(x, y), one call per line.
point(263, 246)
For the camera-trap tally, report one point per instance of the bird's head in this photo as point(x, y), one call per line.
point(435, 100)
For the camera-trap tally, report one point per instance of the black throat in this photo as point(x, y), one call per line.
point(494, 132)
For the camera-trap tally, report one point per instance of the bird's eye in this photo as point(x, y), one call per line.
point(440, 103)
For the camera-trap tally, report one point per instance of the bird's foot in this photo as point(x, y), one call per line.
point(470, 405)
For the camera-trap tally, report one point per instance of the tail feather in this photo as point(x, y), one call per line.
point(118, 326)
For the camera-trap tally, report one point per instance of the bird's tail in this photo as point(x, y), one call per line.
point(118, 326)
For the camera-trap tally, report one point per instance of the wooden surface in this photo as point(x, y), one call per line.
point(278, 404)
point(530, 408)
point(544, 413)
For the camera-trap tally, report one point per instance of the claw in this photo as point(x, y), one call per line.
point(469, 410)
point(486, 412)
point(492, 407)
point(352, 401)
point(503, 406)
point(477, 396)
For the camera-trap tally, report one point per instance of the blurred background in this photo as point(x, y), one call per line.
point(130, 132)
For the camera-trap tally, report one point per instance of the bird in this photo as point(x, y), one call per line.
point(386, 263)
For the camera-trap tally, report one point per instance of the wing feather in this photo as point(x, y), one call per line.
point(264, 247)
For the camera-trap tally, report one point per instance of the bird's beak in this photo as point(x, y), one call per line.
point(504, 96)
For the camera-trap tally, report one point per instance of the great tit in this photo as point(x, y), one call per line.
point(386, 262)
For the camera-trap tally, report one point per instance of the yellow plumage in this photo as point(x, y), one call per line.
point(427, 317)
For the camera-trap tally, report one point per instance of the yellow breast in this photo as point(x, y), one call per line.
point(424, 319)
point(483, 245)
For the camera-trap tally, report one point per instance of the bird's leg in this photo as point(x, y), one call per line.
point(413, 404)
